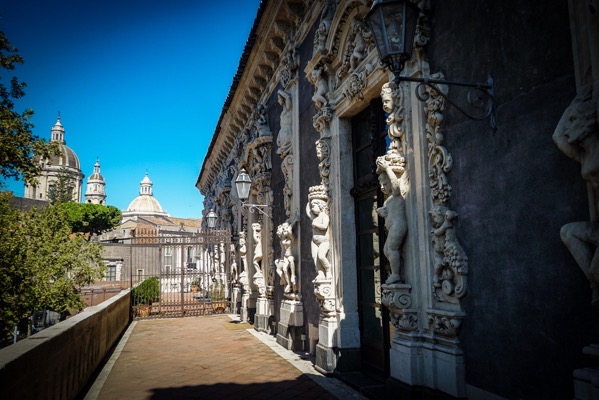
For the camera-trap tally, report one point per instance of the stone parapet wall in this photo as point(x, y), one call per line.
point(57, 362)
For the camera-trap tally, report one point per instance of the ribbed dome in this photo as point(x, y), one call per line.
point(67, 158)
point(145, 203)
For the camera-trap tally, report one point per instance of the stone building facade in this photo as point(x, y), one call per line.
point(402, 240)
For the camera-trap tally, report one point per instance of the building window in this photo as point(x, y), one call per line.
point(140, 274)
point(111, 273)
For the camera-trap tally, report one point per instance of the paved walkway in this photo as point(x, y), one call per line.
point(212, 357)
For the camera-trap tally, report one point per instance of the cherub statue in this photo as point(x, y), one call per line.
point(318, 211)
point(393, 211)
point(322, 87)
point(286, 264)
point(257, 235)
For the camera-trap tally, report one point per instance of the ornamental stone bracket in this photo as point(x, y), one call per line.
point(323, 289)
point(397, 298)
point(445, 326)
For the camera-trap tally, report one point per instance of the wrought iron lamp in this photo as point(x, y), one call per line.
point(243, 183)
point(211, 219)
point(393, 26)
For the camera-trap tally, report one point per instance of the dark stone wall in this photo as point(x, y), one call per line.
point(528, 303)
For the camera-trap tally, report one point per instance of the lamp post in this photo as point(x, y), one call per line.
point(393, 26)
point(243, 183)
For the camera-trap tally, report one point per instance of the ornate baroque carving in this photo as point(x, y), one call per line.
point(318, 211)
point(450, 263)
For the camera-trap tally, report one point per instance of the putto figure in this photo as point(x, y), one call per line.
point(390, 167)
point(318, 211)
point(286, 264)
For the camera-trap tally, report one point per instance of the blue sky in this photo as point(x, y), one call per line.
point(140, 84)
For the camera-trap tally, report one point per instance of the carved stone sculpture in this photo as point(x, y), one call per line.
point(319, 80)
point(286, 264)
point(284, 139)
point(390, 167)
point(577, 135)
point(243, 276)
point(262, 127)
point(318, 211)
point(257, 260)
point(392, 98)
point(450, 262)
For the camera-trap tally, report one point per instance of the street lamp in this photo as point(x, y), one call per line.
point(243, 183)
point(211, 219)
point(393, 26)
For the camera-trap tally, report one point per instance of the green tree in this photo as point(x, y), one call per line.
point(90, 218)
point(17, 142)
point(43, 264)
point(62, 189)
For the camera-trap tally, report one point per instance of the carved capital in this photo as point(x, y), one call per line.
point(323, 290)
point(396, 297)
point(406, 321)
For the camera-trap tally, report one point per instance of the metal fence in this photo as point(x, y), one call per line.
point(180, 274)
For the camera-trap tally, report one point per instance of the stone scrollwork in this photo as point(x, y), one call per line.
point(396, 297)
point(392, 96)
point(289, 65)
point(450, 263)
point(577, 135)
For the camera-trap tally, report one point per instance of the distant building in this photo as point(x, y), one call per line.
point(145, 217)
point(96, 187)
point(51, 168)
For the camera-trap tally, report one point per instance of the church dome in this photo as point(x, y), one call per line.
point(145, 204)
point(67, 157)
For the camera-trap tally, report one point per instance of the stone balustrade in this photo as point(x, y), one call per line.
point(58, 362)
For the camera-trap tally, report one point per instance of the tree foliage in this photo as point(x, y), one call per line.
point(90, 218)
point(17, 142)
point(43, 265)
point(62, 189)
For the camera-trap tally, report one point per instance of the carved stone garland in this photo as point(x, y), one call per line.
point(450, 263)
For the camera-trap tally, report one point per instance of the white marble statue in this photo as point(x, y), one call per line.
point(286, 264)
point(257, 260)
point(318, 211)
point(390, 167)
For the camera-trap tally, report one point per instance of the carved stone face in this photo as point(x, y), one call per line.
point(385, 184)
point(315, 207)
point(387, 100)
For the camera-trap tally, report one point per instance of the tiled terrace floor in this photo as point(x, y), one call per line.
point(211, 357)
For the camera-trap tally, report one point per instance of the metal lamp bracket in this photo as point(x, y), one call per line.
point(481, 95)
